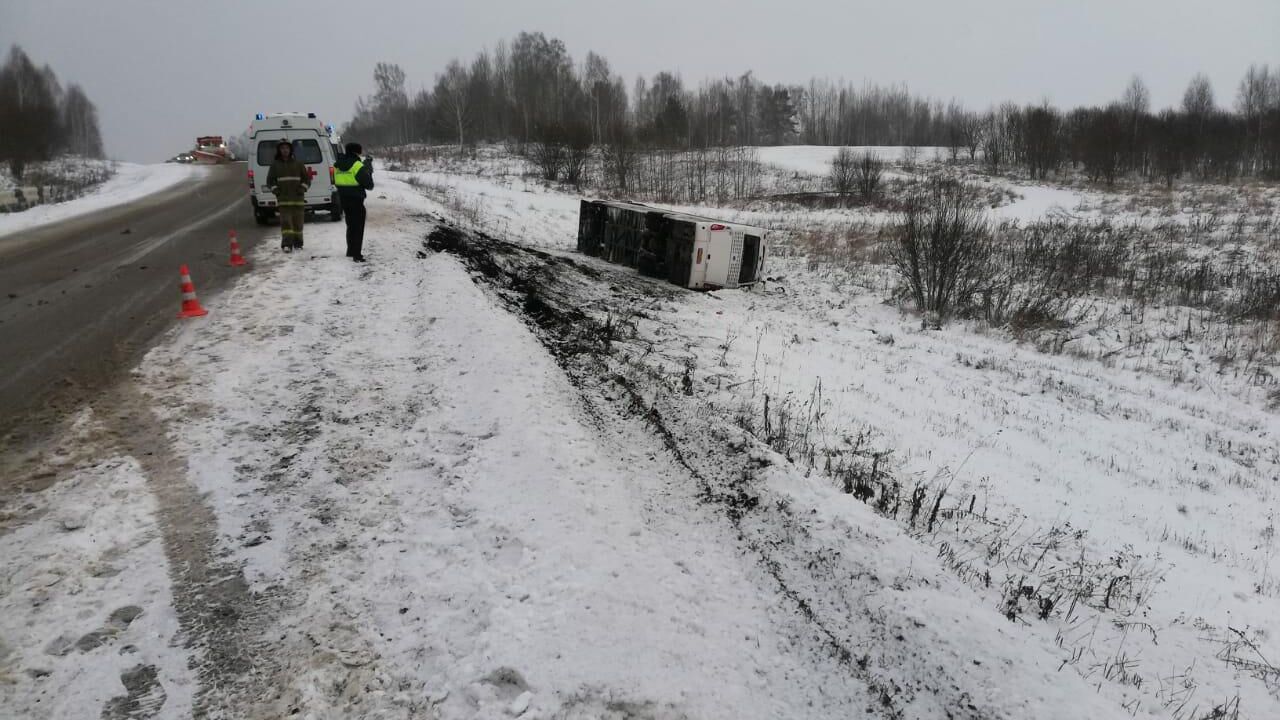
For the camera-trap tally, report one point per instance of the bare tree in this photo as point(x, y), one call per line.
point(391, 101)
point(533, 86)
point(970, 131)
point(454, 96)
point(606, 93)
point(994, 141)
point(1102, 142)
point(1198, 108)
point(620, 161)
point(1197, 101)
point(30, 122)
point(957, 123)
point(1041, 139)
point(1136, 103)
point(1169, 145)
point(80, 122)
point(1253, 99)
point(1254, 94)
point(1137, 98)
point(481, 98)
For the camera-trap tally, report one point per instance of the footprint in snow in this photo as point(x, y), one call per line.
point(116, 623)
point(145, 696)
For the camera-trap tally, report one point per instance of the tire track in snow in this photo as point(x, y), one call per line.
point(219, 616)
point(529, 283)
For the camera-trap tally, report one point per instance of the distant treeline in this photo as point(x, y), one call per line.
point(39, 119)
point(531, 91)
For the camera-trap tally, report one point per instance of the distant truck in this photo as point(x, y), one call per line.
point(687, 250)
point(311, 145)
point(211, 150)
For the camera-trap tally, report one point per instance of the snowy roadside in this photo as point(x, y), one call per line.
point(879, 602)
point(451, 526)
point(130, 182)
point(433, 519)
point(401, 462)
point(87, 627)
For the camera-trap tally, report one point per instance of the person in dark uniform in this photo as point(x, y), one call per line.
point(353, 177)
point(289, 180)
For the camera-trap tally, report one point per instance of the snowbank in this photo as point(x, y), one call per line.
point(131, 182)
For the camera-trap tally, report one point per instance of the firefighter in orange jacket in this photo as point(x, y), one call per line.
point(288, 180)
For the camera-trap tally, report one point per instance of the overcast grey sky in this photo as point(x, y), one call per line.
point(164, 71)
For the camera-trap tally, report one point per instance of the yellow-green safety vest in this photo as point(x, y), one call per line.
point(347, 178)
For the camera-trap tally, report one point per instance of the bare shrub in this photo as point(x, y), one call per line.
point(868, 171)
point(941, 246)
point(843, 171)
point(620, 159)
point(1045, 573)
point(577, 152)
point(910, 158)
point(1044, 268)
point(549, 157)
point(1056, 259)
point(470, 211)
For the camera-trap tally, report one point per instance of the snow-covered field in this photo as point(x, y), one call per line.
point(431, 519)
point(816, 159)
point(1072, 464)
point(130, 182)
point(414, 497)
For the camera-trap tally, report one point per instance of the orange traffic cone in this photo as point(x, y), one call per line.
point(237, 259)
point(190, 305)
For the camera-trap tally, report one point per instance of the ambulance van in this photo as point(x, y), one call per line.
point(311, 145)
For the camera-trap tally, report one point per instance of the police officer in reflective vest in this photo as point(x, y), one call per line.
point(353, 177)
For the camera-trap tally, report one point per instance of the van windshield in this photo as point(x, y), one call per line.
point(308, 151)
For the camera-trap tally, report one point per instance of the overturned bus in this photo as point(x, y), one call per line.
point(688, 250)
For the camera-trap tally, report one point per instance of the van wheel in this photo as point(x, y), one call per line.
point(335, 211)
point(262, 218)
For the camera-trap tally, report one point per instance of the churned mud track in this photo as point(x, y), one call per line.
point(221, 619)
point(585, 314)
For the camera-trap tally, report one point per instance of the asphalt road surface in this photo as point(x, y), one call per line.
point(81, 300)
